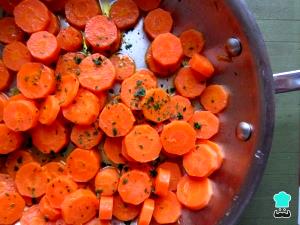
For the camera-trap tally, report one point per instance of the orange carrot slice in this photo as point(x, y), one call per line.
point(162, 182)
point(67, 89)
point(106, 181)
point(53, 170)
point(113, 150)
point(10, 140)
point(97, 221)
point(106, 208)
point(68, 64)
point(7, 184)
point(147, 5)
point(5, 76)
point(3, 102)
point(174, 171)
point(123, 211)
point(192, 42)
point(147, 212)
point(202, 65)
point(47, 210)
point(49, 110)
point(54, 25)
point(33, 216)
point(216, 148)
point(125, 153)
point(70, 39)
point(181, 108)
point(12, 206)
point(10, 32)
point(124, 65)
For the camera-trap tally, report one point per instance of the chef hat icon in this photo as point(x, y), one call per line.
point(282, 200)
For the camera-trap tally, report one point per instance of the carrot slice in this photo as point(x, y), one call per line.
point(106, 181)
point(134, 187)
point(16, 160)
point(56, 6)
point(156, 105)
point(102, 96)
point(106, 208)
point(181, 108)
point(192, 42)
point(147, 212)
point(205, 124)
point(194, 193)
point(124, 152)
point(67, 89)
point(5, 76)
point(124, 13)
point(143, 143)
point(162, 182)
point(147, 5)
point(10, 140)
point(146, 72)
point(167, 209)
point(47, 210)
point(15, 55)
point(113, 150)
point(97, 221)
point(115, 46)
point(54, 25)
point(178, 137)
point(216, 148)
point(10, 32)
point(97, 73)
point(3, 102)
point(84, 109)
point(7, 184)
point(49, 110)
point(69, 64)
point(25, 19)
point(175, 173)
point(69, 39)
point(124, 66)
point(123, 211)
point(12, 206)
point(158, 21)
point(35, 80)
point(202, 65)
point(82, 165)
point(33, 216)
point(53, 170)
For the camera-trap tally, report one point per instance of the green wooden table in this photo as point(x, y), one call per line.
point(279, 21)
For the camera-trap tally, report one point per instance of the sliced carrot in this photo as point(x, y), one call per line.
point(49, 110)
point(70, 39)
point(10, 140)
point(216, 148)
point(97, 221)
point(181, 108)
point(175, 173)
point(56, 6)
point(147, 5)
point(84, 109)
point(134, 187)
point(162, 182)
point(3, 102)
point(115, 46)
point(5, 76)
point(205, 124)
point(192, 42)
point(69, 64)
point(147, 212)
point(54, 25)
point(53, 170)
point(12, 206)
point(35, 80)
point(106, 208)
point(106, 181)
point(124, 65)
point(123, 211)
point(97, 73)
point(167, 209)
point(124, 152)
point(143, 143)
point(202, 65)
point(47, 210)
point(158, 21)
point(194, 193)
point(33, 216)
point(10, 32)
point(20, 115)
point(67, 89)
point(102, 96)
point(113, 150)
point(178, 137)
point(124, 13)
point(7, 184)
point(156, 105)
point(146, 72)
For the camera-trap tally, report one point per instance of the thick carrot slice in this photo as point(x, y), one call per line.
point(158, 21)
point(192, 42)
point(124, 65)
point(156, 105)
point(69, 64)
point(12, 206)
point(106, 208)
point(31, 180)
point(216, 148)
point(146, 212)
point(67, 89)
point(82, 165)
point(123, 211)
point(70, 39)
point(28, 21)
point(124, 152)
point(54, 25)
point(49, 110)
point(16, 160)
point(97, 221)
point(106, 181)
point(147, 5)
point(146, 72)
point(188, 84)
point(102, 96)
point(7, 184)
point(33, 216)
point(53, 170)
point(162, 182)
point(202, 65)
point(113, 150)
point(214, 98)
point(43, 46)
point(115, 46)
point(143, 143)
point(10, 32)
point(20, 115)
point(194, 193)
point(97, 73)
point(167, 209)
point(15, 55)
point(178, 137)
point(79, 207)
point(124, 13)
point(47, 210)
point(35, 80)
point(116, 120)
point(3, 102)
point(134, 187)
point(5, 76)
point(84, 109)
point(181, 108)
point(58, 189)
point(10, 140)
point(205, 124)
point(175, 173)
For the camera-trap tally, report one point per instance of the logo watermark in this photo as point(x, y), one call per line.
point(282, 204)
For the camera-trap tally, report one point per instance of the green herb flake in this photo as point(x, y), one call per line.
point(197, 126)
point(98, 61)
point(13, 91)
point(128, 46)
point(77, 60)
point(139, 83)
point(156, 106)
point(98, 192)
point(124, 181)
point(179, 116)
point(140, 92)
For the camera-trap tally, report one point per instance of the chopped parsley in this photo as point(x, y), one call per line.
point(140, 92)
point(139, 83)
point(197, 126)
point(124, 181)
point(13, 91)
point(98, 61)
point(128, 46)
point(179, 116)
point(156, 106)
point(77, 60)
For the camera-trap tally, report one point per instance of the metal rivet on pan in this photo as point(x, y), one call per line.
point(244, 131)
point(233, 47)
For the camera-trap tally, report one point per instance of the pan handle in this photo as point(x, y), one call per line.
point(287, 81)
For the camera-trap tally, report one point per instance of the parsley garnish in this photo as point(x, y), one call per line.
point(179, 116)
point(128, 46)
point(77, 59)
point(125, 181)
point(156, 106)
point(13, 91)
point(140, 92)
point(197, 126)
point(139, 83)
point(98, 61)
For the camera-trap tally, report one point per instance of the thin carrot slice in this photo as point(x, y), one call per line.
point(35, 80)
point(124, 152)
point(167, 209)
point(115, 46)
point(68, 64)
point(216, 148)
point(205, 124)
point(124, 65)
point(202, 65)
point(54, 26)
point(143, 143)
point(181, 108)
point(175, 173)
point(113, 150)
point(16, 160)
point(3, 102)
point(106, 181)
point(97, 221)
point(194, 193)
point(192, 42)
point(7, 184)
point(158, 21)
point(53, 170)
point(47, 210)
point(67, 89)
point(10, 140)
point(162, 182)
point(49, 110)
point(12, 206)
point(69, 39)
point(33, 216)
point(124, 13)
point(123, 211)
point(106, 208)
point(10, 32)
point(5, 76)
point(147, 212)
point(147, 5)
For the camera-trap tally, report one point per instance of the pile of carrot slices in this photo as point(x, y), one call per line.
point(77, 154)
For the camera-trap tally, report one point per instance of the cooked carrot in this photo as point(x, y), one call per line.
point(106, 208)
point(79, 207)
point(49, 138)
point(216, 148)
point(33, 216)
point(205, 124)
point(10, 140)
point(12, 206)
point(146, 72)
point(27, 21)
point(143, 143)
point(10, 32)
point(56, 6)
point(124, 65)
point(158, 21)
point(35, 80)
point(7, 184)
point(167, 209)
point(146, 212)
point(194, 193)
point(54, 25)
point(214, 98)
point(178, 137)
point(84, 109)
point(106, 181)
point(116, 120)
point(147, 5)
point(134, 88)
point(5, 76)
point(192, 42)
point(102, 97)
point(3, 102)
point(113, 150)
point(53, 170)
point(175, 173)
point(162, 182)
point(134, 187)
point(97, 73)
point(69, 39)
point(75, 13)
point(124, 13)
point(123, 211)
point(58, 189)
point(47, 210)
point(202, 65)
point(49, 110)
point(124, 152)
point(69, 64)
point(115, 46)
point(20, 115)
point(97, 221)
point(15, 55)
point(156, 105)
point(181, 108)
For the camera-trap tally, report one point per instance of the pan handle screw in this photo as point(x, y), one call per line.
point(244, 131)
point(233, 47)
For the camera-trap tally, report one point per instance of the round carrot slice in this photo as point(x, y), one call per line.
point(146, 72)
point(54, 25)
point(16, 160)
point(202, 65)
point(10, 140)
point(124, 152)
point(194, 193)
point(124, 66)
point(10, 32)
point(123, 211)
point(33, 216)
point(5, 77)
point(69, 39)
point(175, 173)
point(216, 148)
point(102, 96)
point(67, 87)
point(12, 206)
point(181, 108)
point(113, 150)
point(3, 102)
point(115, 46)
point(97, 221)
point(192, 42)
point(106, 181)
point(53, 170)
point(162, 182)
point(147, 5)
point(106, 208)
point(147, 212)
point(7, 183)
point(68, 64)
point(97, 73)
point(47, 210)
point(49, 110)
point(56, 6)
